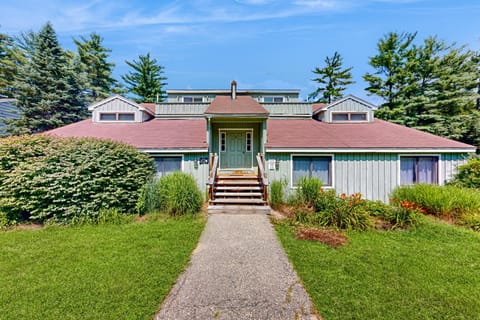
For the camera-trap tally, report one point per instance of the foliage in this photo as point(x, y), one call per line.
point(339, 212)
point(103, 216)
point(277, 193)
point(176, 194)
point(332, 78)
point(430, 87)
point(94, 271)
point(8, 67)
point(432, 269)
point(146, 80)
point(46, 87)
point(63, 179)
point(468, 175)
point(308, 190)
point(98, 71)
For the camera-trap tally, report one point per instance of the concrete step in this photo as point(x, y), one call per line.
point(238, 194)
point(242, 209)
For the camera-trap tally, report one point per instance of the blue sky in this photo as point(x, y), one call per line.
point(263, 44)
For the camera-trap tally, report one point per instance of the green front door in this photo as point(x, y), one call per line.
point(235, 149)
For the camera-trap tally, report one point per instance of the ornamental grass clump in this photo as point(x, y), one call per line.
point(277, 193)
point(179, 194)
point(308, 190)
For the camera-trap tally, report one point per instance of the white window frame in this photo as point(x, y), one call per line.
point(332, 174)
point(273, 99)
point(348, 113)
point(193, 99)
point(117, 114)
point(173, 155)
point(440, 177)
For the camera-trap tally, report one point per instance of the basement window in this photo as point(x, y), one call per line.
point(349, 116)
point(114, 116)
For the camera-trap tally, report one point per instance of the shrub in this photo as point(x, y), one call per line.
point(277, 193)
point(51, 178)
point(308, 190)
point(468, 175)
point(340, 212)
point(179, 194)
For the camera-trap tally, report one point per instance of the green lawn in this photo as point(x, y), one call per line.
point(431, 272)
point(93, 272)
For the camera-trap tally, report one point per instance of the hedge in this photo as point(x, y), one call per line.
point(50, 178)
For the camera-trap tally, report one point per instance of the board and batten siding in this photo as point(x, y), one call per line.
point(200, 173)
point(117, 106)
point(374, 175)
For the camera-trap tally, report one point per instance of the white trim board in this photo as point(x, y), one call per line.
point(173, 151)
point(368, 150)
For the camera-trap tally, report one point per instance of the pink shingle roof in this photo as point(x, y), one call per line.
point(157, 133)
point(378, 134)
point(241, 105)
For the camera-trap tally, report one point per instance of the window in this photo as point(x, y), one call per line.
point(312, 166)
point(248, 146)
point(166, 165)
point(418, 170)
point(349, 116)
point(223, 142)
point(192, 99)
point(117, 116)
point(273, 99)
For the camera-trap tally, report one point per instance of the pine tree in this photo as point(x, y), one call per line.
point(46, 88)
point(146, 80)
point(332, 79)
point(8, 66)
point(98, 71)
point(389, 81)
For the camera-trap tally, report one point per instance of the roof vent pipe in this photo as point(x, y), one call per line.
point(233, 90)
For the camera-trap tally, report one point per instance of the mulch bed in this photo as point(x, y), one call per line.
point(332, 238)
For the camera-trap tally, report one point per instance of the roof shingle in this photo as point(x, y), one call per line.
point(241, 105)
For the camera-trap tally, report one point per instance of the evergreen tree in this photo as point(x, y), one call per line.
point(332, 80)
point(8, 65)
point(389, 81)
point(146, 80)
point(46, 87)
point(98, 71)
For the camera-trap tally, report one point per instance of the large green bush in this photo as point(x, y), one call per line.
point(468, 175)
point(176, 194)
point(51, 178)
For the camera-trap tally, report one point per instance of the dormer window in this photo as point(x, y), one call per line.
point(349, 116)
point(273, 99)
point(192, 99)
point(117, 116)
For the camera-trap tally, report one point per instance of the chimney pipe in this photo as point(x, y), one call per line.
point(233, 90)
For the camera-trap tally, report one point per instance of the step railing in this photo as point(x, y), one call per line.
point(262, 175)
point(212, 176)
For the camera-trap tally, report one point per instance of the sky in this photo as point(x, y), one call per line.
point(262, 44)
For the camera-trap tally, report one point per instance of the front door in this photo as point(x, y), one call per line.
point(235, 149)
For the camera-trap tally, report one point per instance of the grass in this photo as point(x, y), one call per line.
point(93, 272)
point(428, 272)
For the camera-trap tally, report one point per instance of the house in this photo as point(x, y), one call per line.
point(8, 110)
point(235, 141)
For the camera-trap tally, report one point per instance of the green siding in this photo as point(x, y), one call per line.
point(201, 173)
point(375, 175)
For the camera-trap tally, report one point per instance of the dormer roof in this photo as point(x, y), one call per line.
point(320, 108)
point(122, 99)
point(241, 105)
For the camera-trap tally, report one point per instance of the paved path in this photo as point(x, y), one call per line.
point(238, 271)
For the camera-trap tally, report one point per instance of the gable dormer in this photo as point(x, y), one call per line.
point(349, 109)
point(117, 109)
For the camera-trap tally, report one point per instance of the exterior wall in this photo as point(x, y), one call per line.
point(348, 105)
point(201, 172)
point(117, 105)
point(164, 110)
point(179, 98)
point(289, 110)
point(375, 175)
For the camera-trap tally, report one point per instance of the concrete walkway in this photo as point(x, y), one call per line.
point(238, 271)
